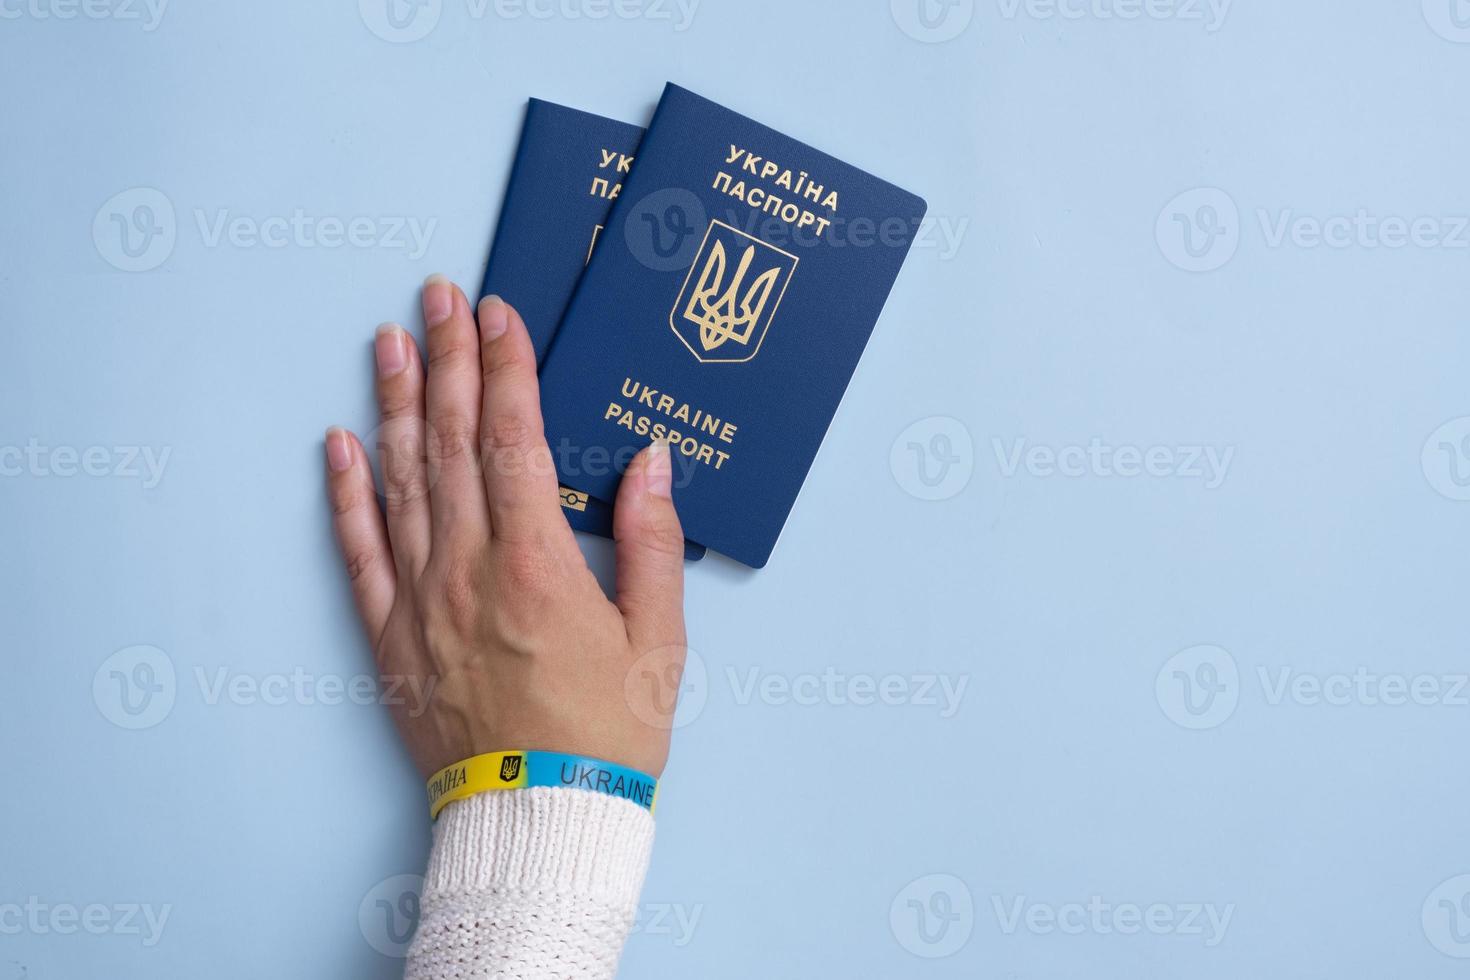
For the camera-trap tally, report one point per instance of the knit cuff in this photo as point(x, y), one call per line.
point(531, 883)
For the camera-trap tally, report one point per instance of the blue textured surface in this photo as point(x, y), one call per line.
point(1151, 237)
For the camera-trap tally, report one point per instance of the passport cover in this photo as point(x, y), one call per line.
point(565, 177)
point(734, 288)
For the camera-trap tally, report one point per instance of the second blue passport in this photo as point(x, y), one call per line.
point(567, 173)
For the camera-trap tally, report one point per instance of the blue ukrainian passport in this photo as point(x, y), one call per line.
point(734, 287)
point(567, 172)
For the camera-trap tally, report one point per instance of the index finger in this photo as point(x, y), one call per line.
point(520, 478)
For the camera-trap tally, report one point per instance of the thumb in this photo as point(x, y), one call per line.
point(650, 548)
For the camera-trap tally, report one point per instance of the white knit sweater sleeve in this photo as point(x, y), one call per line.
point(531, 883)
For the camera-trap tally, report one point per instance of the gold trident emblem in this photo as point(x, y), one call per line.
point(723, 317)
point(510, 768)
point(731, 294)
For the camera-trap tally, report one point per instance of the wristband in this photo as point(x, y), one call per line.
point(522, 770)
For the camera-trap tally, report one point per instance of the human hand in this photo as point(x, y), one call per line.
point(473, 587)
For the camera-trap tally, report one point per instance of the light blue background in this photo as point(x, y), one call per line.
point(1054, 145)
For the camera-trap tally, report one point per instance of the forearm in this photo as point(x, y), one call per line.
point(532, 883)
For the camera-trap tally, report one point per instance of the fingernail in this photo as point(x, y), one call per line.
point(339, 450)
point(493, 317)
point(658, 472)
point(391, 352)
point(438, 300)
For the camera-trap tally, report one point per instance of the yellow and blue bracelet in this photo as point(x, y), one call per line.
point(522, 769)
